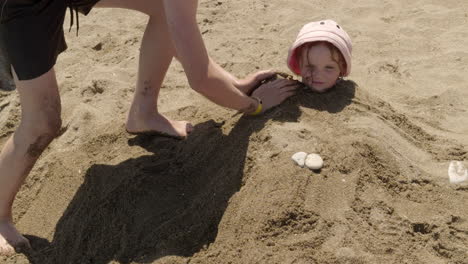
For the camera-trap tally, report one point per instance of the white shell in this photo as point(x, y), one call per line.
point(299, 158)
point(314, 161)
point(457, 172)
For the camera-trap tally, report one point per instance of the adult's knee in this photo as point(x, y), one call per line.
point(42, 133)
point(48, 120)
point(46, 127)
point(54, 124)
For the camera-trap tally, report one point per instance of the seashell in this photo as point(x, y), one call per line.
point(299, 158)
point(457, 172)
point(314, 161)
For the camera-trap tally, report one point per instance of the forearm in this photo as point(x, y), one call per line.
point(219, 88)
point(203, 74)
point(225, 73)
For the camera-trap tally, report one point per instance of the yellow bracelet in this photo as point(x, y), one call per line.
point(259, 107)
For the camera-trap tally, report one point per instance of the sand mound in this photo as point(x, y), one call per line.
point(230, 193)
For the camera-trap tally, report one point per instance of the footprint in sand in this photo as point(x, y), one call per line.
point(457, 172)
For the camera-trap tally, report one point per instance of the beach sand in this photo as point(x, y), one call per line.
point(230, 192)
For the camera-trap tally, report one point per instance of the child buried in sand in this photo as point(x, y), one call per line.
point(321, 55)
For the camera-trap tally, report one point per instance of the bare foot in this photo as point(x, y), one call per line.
point(158, 124)
point(11, 239)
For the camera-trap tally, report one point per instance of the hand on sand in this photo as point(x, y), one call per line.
point(249, 83)
point(275, 92)
point(11, 240)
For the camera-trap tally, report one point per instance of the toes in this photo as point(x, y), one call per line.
point(23, 246)
point(189, 128)
point(6, 250)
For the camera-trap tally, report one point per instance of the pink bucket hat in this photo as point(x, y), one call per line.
point(323, 30)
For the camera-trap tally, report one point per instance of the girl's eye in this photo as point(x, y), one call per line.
point(329, 67)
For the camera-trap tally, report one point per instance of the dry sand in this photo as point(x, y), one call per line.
point(230, 193)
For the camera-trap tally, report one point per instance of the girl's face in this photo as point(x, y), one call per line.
point(319, 70)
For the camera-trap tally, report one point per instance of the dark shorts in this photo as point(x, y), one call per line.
point(31, 32)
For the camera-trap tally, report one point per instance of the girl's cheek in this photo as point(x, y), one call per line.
point(305, 73)
point(333, 73)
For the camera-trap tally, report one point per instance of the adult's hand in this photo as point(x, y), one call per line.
point(203, 74)
point(275, 92)
point(249, 83)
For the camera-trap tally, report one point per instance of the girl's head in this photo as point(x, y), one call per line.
point(321, 64)
point(321, 54)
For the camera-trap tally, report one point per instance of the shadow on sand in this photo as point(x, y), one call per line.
point(167, 203)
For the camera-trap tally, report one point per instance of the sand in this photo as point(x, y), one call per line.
point(230, 193)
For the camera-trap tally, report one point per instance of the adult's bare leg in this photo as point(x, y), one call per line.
point(156, 54)
point(40, 124)
point(6, 81)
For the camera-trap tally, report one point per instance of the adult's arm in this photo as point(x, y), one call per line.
point(203, 74)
